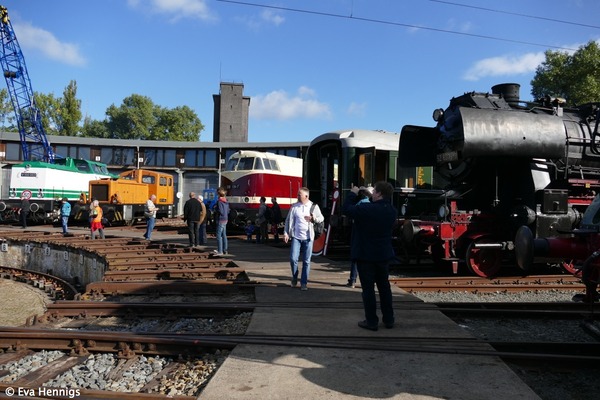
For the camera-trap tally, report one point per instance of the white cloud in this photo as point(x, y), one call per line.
point(272, 17)
point(504, 65)
point(46, 43)
point(357, 109)
point(281, 106)
point(267, 17)
point(177, 9)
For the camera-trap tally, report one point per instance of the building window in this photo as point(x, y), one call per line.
point(13, 151)
point(83, 153)
point(106, 155)
point(123, 156)
point(170, 159)
point(191, 158)
point(62, 150)
point(210, 158)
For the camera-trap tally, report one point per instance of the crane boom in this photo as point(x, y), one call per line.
point(34, 141)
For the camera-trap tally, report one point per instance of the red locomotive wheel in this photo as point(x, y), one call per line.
point(484, 262)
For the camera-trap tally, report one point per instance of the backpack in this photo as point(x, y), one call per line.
point(319, 227)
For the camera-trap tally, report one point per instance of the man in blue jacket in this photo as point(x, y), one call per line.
point(372, 249)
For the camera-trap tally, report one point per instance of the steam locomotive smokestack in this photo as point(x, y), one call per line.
point(509, 91)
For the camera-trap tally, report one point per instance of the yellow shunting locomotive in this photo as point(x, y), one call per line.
point(123, 199)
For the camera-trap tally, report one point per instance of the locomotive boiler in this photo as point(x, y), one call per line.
point(499, 163)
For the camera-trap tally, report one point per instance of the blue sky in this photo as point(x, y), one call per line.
point(309, 66)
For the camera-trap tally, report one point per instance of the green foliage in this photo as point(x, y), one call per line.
point(575, 77)
point(94, 128)
point(49, 107)
point(139, 118)
point(7, 114)
point(136, 118)
point(69, 112)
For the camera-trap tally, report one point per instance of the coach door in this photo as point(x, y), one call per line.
point(372, 166)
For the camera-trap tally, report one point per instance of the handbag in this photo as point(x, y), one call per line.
point(318, 227)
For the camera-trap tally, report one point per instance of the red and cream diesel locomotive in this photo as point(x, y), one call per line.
point(250, 175)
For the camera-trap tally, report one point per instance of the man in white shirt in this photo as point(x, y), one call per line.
point(299, 228)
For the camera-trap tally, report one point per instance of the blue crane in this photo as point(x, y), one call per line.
point(34, 141)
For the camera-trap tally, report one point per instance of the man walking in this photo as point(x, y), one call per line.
point(299, 228)
point(372, 249)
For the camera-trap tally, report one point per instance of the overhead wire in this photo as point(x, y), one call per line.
point(560, 21)
point(385, 22)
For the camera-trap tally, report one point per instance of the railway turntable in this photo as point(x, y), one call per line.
point(307, 344)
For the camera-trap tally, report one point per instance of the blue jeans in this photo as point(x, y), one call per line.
point(150, 226)
point(222, 238)
point(371, 274)
point(64, 220)
point(304, 246)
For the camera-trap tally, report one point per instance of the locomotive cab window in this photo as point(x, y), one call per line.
point(258, 164)
point(148, 179)
point(164, 181)
point(245, 164)
point(82, 166)
point(271, 164)
point(231, 164)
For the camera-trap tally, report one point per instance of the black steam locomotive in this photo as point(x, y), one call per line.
point(499, 163)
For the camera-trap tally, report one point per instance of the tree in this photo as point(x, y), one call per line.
point(139, 118)
point(179, 124)
point(134, 119)
point(94, 128)
point(576, 77)
point(48, 106)
point(69, 113)
point(7, 113)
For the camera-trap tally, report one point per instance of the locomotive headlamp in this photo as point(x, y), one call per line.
point(438, 114)
point(443, 211)
point(403, 209)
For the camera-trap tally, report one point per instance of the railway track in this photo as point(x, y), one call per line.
point(479, 285)
point(129, 353)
